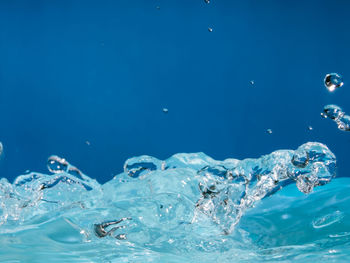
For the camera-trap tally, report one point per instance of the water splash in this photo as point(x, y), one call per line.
point(189, 203)
point(335, 113)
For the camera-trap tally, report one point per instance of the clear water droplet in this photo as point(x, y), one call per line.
point(1, 148)
point(207, 1)
point(333, 112)
point(165, 110)
point(310, 128)
point(210, 29)
point(57, 164)
point(269, 131)
point(252, 82)
point(333, 81)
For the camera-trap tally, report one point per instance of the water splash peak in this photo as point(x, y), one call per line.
point(188, 202)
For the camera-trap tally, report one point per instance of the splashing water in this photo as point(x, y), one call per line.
point(188, 208)
point(335, 113)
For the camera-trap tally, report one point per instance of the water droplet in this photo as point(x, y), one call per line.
point(344, 123)
point(333, 81)
point(157, 7)
point(165, 110)
point(310, 128)
point(269, 131)
point(207, 1)
point(252, 82)
point(88, 143)
point(210, 29)
point(57, 164)
point(1, 148)
point(333, 112)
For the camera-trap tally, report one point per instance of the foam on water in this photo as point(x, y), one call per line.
point(188, 208)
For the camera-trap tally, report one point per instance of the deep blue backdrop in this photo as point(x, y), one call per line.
point(101, 71)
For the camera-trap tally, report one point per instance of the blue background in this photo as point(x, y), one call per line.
point(101, 71)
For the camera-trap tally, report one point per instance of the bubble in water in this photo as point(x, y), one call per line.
point(333, 112)
point(57, 164)
point(165, 110)
point(210, 29)
point(328, 219)
point(333, 81)
point(269, 131)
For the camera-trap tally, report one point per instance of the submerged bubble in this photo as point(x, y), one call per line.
point(57, 164)
point(328, 219)
point(333, 81)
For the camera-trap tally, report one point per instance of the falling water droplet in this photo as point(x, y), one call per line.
point(333, 112)
point(210, 29)
point(1, 148)
point(165, 110)
point(333, 81)
point(207, 1)
point(252, 82)
point(310, 128)
point(88, 143)
point(57, 164)
point(269, 131)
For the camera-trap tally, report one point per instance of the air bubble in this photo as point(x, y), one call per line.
point(57, 164)
point(328, 219)
point(333, 81)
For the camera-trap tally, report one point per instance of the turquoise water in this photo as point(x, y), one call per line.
point(283, 207)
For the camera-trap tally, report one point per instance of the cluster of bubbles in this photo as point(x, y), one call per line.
point(336, 114)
